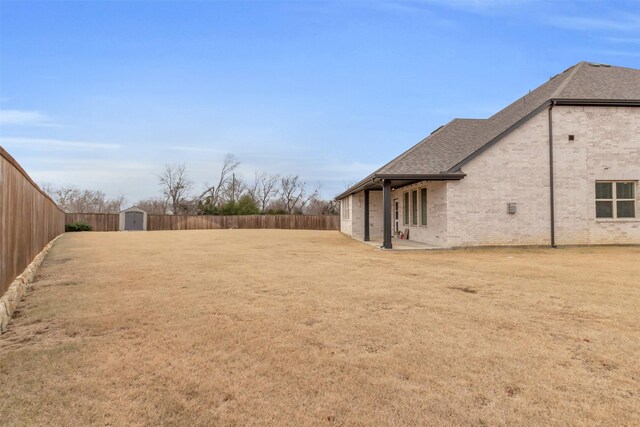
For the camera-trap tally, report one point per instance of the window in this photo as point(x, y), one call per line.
point(405, 208)
point(423, 206)
point(414, 207)
point(345, 207)
point(616, 199)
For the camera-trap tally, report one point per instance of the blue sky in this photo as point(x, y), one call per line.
point(102, 94)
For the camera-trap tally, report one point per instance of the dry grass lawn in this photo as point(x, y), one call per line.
point(268, 327)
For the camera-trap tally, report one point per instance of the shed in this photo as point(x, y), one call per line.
point(133, 219)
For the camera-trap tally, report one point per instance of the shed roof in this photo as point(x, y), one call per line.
point(451, 146)
point(133, 209)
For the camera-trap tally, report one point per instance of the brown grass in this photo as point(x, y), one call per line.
point(242, 327)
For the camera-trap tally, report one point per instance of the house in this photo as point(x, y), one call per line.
point(559, 166)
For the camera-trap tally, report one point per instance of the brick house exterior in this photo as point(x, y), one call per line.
point(559, 166)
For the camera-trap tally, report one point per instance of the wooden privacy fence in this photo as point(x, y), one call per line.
point(200, 222)
point(97, 221)
point(109, 222)
point(29, 219)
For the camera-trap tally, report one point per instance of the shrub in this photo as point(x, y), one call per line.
point(77, 226)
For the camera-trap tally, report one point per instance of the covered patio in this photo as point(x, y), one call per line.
point(404, 245)
point(386, 183)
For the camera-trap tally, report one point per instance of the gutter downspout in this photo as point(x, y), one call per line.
point(551, 185)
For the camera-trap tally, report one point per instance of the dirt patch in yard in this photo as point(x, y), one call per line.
point(241, 327)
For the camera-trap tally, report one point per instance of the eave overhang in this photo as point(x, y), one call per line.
point(374, 181)
point(598, 102)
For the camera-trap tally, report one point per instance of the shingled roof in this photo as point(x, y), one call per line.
point(446, 150)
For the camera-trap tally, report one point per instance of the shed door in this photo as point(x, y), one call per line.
point(133, 220)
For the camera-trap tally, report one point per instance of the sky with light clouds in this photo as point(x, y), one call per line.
point(102, 94)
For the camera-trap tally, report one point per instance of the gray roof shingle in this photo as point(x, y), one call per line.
point(455, 142)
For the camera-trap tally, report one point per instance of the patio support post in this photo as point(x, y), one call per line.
point(366, 215)
point(386, 200)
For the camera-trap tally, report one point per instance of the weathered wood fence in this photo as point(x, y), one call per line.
point(109, 222)
point(29, 219)
point(97, 221)
point(200, 222)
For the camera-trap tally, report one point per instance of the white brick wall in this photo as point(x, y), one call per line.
point(514, 170)
point(345, 224)
point(357, 214)
point(606, 147)
point(375, 216)
point(435, 232)
point(473, 211)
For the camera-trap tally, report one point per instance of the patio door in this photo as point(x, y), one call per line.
point(396, 215)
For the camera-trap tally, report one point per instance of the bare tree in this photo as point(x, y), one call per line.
point(73, 199)
point(234, 189)
point(293, 194)
point(153, 206)
point(227, 177)
point(228, 186)
point(48, 188)
point(323, 207)
point(175, 184)
point(264, 190)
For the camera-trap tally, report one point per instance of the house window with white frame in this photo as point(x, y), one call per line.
point(615, 199)
point(423, 206)
point(345, 207)
point(414, 207)
point(405, 207)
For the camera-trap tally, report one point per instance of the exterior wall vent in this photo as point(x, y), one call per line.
point(511, 208)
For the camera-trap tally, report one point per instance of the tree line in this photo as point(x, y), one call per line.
point(230, 195)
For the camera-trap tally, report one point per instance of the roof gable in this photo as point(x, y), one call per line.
point(461, 137)
point(448, 148)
